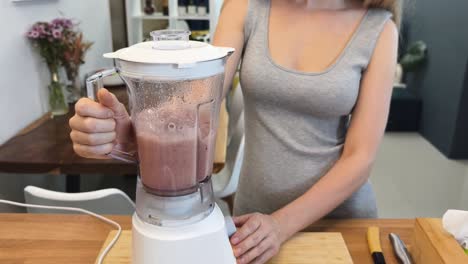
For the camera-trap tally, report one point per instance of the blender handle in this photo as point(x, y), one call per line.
point(93, 85)
point(94, 82)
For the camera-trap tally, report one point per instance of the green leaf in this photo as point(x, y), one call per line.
point(414, 57)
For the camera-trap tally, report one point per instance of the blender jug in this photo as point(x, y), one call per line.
point(175, 91)
point(174, 123)
point(175, 126)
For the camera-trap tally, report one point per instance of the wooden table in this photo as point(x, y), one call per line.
point(48, 149)
point(33, 238)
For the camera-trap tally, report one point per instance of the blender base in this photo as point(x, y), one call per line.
point(204, 242)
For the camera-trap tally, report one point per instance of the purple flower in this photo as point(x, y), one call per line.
point(56, 33)
point(62, 22)
point(57, 21)
point(67, 23)
point(41, 29)
point(34, 34)
point(57, 28)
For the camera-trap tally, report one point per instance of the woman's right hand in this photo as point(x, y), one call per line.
point(98, 127)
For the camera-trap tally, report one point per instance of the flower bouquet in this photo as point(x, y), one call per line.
point(59, 44)
point(73, 57)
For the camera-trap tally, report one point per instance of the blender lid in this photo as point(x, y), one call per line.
point(171, 47)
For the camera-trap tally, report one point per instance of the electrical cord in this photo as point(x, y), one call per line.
point(73, 209)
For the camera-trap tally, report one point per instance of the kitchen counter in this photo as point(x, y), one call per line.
point(35, 238)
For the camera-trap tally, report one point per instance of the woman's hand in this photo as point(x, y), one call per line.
point(97, 127)
point(257, 239)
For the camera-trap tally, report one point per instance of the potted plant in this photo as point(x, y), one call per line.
point(47, 39)
point(60, 43)
point(410, 61)
point(73, 56)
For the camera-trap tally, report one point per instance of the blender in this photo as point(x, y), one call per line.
point(175, 91)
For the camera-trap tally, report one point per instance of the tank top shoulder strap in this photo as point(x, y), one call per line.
point(367, 35)
point(257, 11)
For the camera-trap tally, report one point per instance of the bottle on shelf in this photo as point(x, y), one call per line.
point(202, 7)
point(149, 7)
point(191, 7)
point(158, 7)
point(182, 9)
point(165, 5)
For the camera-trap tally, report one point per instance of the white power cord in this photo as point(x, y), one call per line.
point(100, 217)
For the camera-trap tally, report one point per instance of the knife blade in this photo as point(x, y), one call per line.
point(400, 249)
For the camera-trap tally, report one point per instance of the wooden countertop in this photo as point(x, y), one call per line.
point(35, 238)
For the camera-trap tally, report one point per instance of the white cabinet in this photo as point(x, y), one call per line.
point(136, 16)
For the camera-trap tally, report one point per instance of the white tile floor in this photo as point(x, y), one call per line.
point(412, 178)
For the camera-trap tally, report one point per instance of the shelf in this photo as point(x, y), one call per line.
point(152, 17)
point(137, 18)
point(161, 17)
point(194, 17)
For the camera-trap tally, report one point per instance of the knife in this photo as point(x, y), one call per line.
point(400, 249)
point(373, 240)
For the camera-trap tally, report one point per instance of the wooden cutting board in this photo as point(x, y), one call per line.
point(304, 248)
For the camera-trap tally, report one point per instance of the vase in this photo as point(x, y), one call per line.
point(74, 87)
point(57, 103)
point(149, 7)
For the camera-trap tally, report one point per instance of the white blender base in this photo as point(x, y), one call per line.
point(204, 242)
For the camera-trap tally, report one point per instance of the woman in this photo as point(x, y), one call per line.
point(306, 67)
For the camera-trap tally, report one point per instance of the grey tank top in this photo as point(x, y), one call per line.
point(296, 122)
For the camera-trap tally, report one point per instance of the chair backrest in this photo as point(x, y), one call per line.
point(106, 201)
point(235, 106)
point(230, 186)
point(225, 182)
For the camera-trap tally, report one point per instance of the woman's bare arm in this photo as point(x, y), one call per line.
point(230, 33)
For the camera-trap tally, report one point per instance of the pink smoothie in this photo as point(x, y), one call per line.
point(173, 155)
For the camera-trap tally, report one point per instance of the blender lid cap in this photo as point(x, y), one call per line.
point(171, 47)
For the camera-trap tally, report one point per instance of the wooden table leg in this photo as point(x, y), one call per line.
point(72, 183)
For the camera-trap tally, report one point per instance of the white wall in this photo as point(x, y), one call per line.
point(12, 185)
point(464, 199)
point(412, 178)
point(24, 77)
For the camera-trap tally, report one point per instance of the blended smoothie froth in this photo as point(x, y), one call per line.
point(174, 153)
